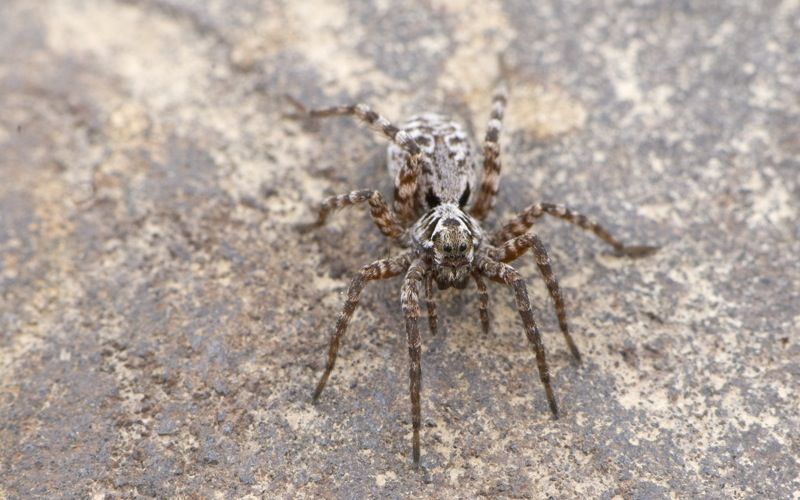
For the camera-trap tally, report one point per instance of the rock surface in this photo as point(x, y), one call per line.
point(162, 324)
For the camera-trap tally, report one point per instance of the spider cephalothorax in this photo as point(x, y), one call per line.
point(450, 237)
point(436, 220)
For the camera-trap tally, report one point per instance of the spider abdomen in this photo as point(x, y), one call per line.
point(448, 169)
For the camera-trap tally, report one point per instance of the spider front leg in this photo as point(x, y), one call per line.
point(381, 269)
point(381, 214)
point(518, 246)
point(409, 298)
point(483, 304)
point(503, 273)
point(491, 153)
point(521, 223)
point(431, 300)
point(406, 182)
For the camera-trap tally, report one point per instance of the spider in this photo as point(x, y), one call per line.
point(436, 218)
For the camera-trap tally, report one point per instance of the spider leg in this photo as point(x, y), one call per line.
point(525, 219)
point(405, 184)
point(518, 246)
point(431, 300)
point(381, 214)
point(380, 269)
point(375, 121)
point(491, 152)
point(409, 297)
point(503, 273)
point(483, 295)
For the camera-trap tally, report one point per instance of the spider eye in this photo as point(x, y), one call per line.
point(448, 249)
point(462, 247)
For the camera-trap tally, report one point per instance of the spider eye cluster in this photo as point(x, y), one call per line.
point(448, 248)
point(452, 243)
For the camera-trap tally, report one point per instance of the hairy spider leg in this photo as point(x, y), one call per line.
point(405, 184)
point(483, 304)
point(381, 214)
point(491, 153)
point(503, 273)
point(513, 249)
point(380, 269)
point(409, 298)
point(431, 302)
point(524, 220)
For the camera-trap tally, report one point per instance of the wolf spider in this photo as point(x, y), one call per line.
point(435, 218)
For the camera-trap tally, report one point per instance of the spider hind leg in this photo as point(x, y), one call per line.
point(383, 217)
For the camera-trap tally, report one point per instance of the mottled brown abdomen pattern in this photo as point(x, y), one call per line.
point(448, 168)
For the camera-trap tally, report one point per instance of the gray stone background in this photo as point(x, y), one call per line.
point(162, 325)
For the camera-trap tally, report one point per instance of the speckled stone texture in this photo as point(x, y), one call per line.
point(162, 323)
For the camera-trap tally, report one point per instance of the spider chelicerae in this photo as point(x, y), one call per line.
point(436, 218)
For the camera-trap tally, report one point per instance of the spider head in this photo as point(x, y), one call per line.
point(452, 253)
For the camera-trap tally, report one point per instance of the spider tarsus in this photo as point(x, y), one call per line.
point(551, 400)
point(485, 323)
point(302, 110)
point(576, 355)
point(307, 227)
point(636, 251)
point(416, 448)
point(432, 326)
point(320, 387)
point(295, 116)
point(301, 114)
